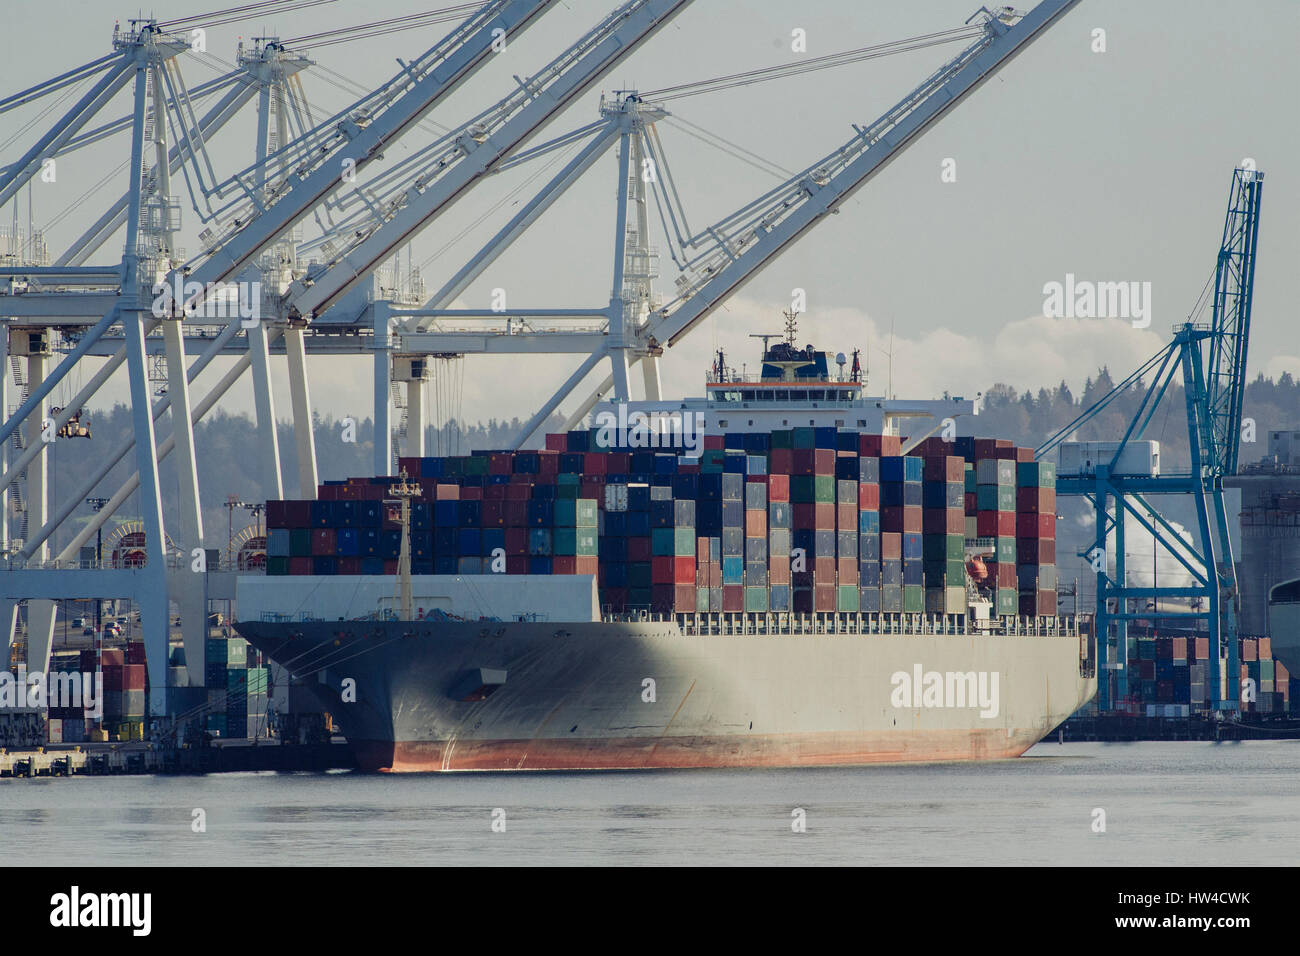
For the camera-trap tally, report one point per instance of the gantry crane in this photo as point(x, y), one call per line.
point(1211, 360)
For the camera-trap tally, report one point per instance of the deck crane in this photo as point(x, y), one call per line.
point(724, 256)
point(1211, 361)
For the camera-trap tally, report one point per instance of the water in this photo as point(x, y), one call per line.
point(1165, 804)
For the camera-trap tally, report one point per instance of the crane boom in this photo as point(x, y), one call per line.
point(455, 58)
point(755, 235)
point(1234, 281)
point(484, 142)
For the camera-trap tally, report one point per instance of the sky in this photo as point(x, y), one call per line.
point(1108, 166)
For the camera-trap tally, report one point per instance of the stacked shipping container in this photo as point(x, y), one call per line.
point(799, 520)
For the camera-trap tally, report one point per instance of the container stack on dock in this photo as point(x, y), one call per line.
point(237, 689)
point(1172, 677)
point(802, 520)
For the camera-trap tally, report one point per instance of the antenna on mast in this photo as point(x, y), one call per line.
point(791, 325)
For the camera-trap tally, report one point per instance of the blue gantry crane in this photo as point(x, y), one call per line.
point(1211, 359)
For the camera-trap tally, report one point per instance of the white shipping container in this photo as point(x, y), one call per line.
point(1140, 458)
point(616, 497)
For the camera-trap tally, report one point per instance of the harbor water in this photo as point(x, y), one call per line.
point(1181, 804)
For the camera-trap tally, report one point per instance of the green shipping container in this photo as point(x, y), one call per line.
point(1007, 601)
point(574, 541)
point(276, 566)
point(1006, 550)
point(1036, 474)
point(803, 489)
point(804, 438)
point(995, 498)
point(848, 598)
point(683, 542)
point(755, 600)
point(944, 547)
point(913, 599)
point(824, 489)
point(300, 542)
point(575, 513)
point(783, 438)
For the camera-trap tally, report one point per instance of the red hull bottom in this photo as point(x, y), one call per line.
point(637, 753)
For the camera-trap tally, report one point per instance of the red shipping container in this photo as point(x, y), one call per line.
point(448, 493)
point(549, 466)
point(1035, 526)
point(557, 442)
point(823, 516)
point(803, 515)
point(594, 489)
point(515, 514)
point(327, 493)
point(638, 548)
point(409, 465)
point(390, 567)
point(684, 570)
point(877, 446)
point(684, 468)
point(733, 597)
point(1024, 454)
point(684, 599)
point(778, 487)
point(782, 462)
point(564, 564)
point(824, 597)
point(619, 463)
point(493, 514)
point(891, 546)
point(892, 520)
point(1036, 550)
point(993, 524)
point(516, 541)
point(801, 600)
point(868, 496)
point(702, 550)
point(521, 491)
point(1005, 575)
point(824, 461)
point(714, 443)
point(323, 542)
point(1249, 649)
point(846, 570)
point(778, 571)
point(471, 493)
point(501, 463)
point(300, 566)
point(661, 569)
point(756, 523)
point(113, 677)
point(1265, 649)
point(114, 655)
point(494, 492)
point(133, 677)
point(803, 461)
point(516, 564)
point(615, 598)
point(1036, 500)
point(824, 568)
point(351, 565)
point(846, 517)
point(135, 652)
point(594, 463)
point(943, 521)
point(942, 467)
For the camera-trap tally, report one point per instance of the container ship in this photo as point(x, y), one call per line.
point(769, 575)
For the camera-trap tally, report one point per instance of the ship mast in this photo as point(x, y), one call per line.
point(404, 492)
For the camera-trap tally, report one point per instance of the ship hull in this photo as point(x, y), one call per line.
point(617, 696)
